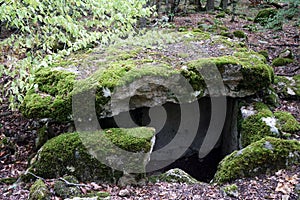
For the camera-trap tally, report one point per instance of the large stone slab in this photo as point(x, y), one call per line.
point(148, 70)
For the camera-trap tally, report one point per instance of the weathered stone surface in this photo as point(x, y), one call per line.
point(72, 155)
point(174, 176)
point(148, 70)
point(287, 87)
point(267, 154)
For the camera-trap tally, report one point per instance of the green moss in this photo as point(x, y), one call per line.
point(257, 75)
point(281, 61)
point(9, 180)
point(39, 191)
point(253, 128)
point(264, 53)
point(270, 97)
point(239, 34)
point(174, 176)
point(231, 190)
point(287, 122)
point(264, 15)
point(267, 154)
point(52, 97)
point(66, 154)
point(63, 190)
point(287, 87)
point(226, 34)
point(221, 15)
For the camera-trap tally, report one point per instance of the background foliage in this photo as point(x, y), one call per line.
point(39, 32)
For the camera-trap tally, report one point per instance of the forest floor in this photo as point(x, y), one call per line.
point(21, 134)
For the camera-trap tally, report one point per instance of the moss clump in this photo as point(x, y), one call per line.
point(256, 74)
point(174, 176)
point(61, 189)
point(267, 154)
point(281, 61)
point(287, 87)
point(264, 15)
point(253, 128)
point(239, 34)
point(51, 98)
point(231, 190)
point(39, 191)
point(264, 53)
point(221, 15)
point(66, 154)
point(226, 34)
point(287, 122)
point(270, 97)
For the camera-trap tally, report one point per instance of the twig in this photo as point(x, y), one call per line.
point(73, 184)
point(38, 177)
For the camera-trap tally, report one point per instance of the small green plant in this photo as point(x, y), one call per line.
point(51, 29)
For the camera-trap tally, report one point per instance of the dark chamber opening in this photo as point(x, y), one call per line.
point(201, 169)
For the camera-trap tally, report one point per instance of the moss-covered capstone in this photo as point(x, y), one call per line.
point(39, 191)
point(266, 155)
point(174, 176)
point(166, 55)
point(67, 155)
point(51, 96)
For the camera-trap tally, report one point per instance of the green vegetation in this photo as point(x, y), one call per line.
point(39, 191)
point(287, 122)
point(40, 32)
point(253, 128)
point(266, 155)
point(239, 34)
point(265, 15)
point(281, 61)
point(66, 153)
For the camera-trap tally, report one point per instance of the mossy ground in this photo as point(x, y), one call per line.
point(264, 15)
point(266, 155)
point(66, 154)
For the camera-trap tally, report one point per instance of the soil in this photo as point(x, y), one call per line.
point(284, 184)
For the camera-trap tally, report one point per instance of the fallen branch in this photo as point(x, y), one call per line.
point(38, 177)
point(74, 184)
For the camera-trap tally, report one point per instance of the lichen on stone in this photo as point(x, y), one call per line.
point(174, 176)
point(266, 155)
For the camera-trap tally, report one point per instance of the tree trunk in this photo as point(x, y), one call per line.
point(199, 5)
point(233, 2)
point(224, 4)
point(210, 5)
